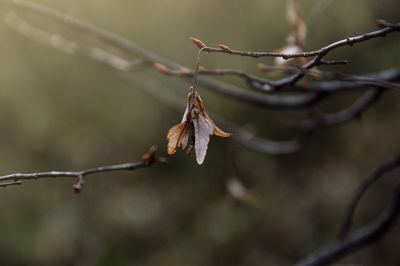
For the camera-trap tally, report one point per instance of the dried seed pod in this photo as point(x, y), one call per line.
point(196, 122)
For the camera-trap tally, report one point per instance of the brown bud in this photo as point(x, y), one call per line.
point(225, 48)
point(149, 157)
point(198, 43)
point(381, 23)
point(77, 188)
point(162, 68)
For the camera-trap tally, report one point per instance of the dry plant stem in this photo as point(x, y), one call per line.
point(356, 240)
point(147, 160)
point(390, 27)
point(221, 72)
point(388, 75)
point(376, 174)
point(332, 81)
point(249, 97)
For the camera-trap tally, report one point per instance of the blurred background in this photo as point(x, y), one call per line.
point(67, 112)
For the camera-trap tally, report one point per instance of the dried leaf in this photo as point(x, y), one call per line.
point(299, 28)
point(195, 122)
point(177, 135)
point(203, 129)
point(292, 12)
point(217, 131)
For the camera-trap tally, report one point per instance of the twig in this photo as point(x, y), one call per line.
point(185, 72)
point(376, 174)
point(388, 28)
point(357, 240)
point(250, 97)
point(388, 75)
point(147, 160)
point(333, 81)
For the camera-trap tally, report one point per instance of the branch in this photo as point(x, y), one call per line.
point(147, 160)
point(385, 29)
point(186, 72)
point(249, 97)
point(374, 176)
point(357, 240)
point(334, 81)
point(158, 91)
point(388, 75)
point(354, 111)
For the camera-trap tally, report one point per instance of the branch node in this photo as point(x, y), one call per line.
point(349, 41)
point(78, 186)
point(151, 156)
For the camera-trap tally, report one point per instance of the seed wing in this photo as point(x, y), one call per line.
point(202, 130)
point(217, 131)
point(177, 135)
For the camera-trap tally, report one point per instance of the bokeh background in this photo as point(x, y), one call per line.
point(65, 112)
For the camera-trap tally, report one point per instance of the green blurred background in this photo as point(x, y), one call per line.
point(64, 112)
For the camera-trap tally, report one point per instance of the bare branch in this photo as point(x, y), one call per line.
point(376, 174)
point(357, 240)
point(147, 160)
point(185, 72)
point(388, 75)
point(387, 28)
point(354, 111)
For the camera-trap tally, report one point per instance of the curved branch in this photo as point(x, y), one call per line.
point(357, 240)
point(333, 119)
point(375, 175)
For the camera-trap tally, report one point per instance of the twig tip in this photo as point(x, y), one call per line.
point(200, 44)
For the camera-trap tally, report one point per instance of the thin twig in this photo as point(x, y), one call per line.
point(388, 28)
point(147, 160)
point(185, 72)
